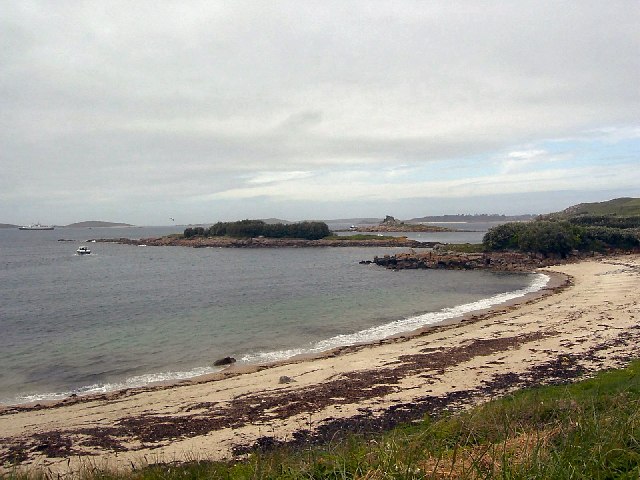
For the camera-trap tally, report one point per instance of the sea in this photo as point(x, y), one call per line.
point(129, 316)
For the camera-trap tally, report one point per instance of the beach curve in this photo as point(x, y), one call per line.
point(590, 325)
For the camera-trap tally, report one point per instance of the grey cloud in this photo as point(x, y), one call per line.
point(201, 90)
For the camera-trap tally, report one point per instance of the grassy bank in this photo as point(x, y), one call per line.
point(465, 247)
point(585, 430)
point(361, 236)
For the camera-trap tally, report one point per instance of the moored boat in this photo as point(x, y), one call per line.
point(82, 250)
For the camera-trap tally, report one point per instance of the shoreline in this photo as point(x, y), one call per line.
point(587, 323)
point(262, 242)
point(555, 281)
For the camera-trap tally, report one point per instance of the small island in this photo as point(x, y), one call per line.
point(391, 224)
point(259, 234)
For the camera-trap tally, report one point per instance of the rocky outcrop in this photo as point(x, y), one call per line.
point(391, 224)
point(502, 261)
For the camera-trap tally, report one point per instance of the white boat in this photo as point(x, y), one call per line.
point(36, 226)
point(82, 250)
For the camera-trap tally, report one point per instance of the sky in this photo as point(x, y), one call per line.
point(161, 112)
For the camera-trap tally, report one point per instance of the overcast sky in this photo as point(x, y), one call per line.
point(141, 111)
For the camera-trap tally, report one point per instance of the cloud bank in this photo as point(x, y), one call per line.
point(132, 111)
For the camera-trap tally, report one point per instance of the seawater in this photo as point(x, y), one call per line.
point(127, 316)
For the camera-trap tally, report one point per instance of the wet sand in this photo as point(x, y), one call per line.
point(589, 322)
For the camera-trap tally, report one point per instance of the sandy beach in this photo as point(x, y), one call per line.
point(587, 321)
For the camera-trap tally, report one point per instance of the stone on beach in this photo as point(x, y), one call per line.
point(224, 361)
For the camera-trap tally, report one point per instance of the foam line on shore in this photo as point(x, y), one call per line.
point(368, 335)
point(98, 388)
point(396, 327)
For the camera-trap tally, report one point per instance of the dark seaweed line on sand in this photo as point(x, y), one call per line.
point(151, 431)
point(156, 429)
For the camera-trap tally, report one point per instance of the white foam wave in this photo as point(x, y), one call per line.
point(131, 382)
point(399, 326)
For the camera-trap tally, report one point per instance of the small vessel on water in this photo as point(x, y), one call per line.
point(36, 226)
point(83, 250)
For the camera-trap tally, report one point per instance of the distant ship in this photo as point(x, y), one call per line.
point(36, 226)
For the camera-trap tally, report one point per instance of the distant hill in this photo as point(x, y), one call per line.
point(95, 223)
point(355, 221)
point(624, 207)
point(474, 218)
point(8, 225)
point(621, 213)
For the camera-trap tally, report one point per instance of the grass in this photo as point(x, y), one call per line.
point(587, 430)
point(361, 236)
point(617, 206)
point(466, 247)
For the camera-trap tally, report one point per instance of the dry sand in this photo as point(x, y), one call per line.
point(590, 323)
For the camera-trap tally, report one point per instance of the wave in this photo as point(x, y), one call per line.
point(98, 388)
point(398, 326)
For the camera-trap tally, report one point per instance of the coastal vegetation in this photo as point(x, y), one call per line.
point(618, 207)
point(586, 227)
point(357, 236)
point(465, 247)
point(259, 228)
point(585, 430)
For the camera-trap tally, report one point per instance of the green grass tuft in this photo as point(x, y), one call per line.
point(466, 247)
point(361, 236)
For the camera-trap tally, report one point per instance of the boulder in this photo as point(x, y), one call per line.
point(224, 361)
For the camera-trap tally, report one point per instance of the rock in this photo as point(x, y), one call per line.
point(390, 220)
point(285, 379)
point(504, 261)
point(224, 361)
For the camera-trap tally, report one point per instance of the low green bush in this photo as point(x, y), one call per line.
point(612, 221)
point(504, 237)
point(258, 228)
point(557, 237)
